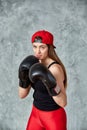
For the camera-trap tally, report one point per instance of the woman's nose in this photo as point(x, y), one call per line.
point(38, 51)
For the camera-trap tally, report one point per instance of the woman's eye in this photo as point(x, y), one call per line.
point(42, 47)
point(34, 46)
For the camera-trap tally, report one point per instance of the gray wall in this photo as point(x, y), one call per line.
point(67, 20)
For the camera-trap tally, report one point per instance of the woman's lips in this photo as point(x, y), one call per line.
point(38, 56)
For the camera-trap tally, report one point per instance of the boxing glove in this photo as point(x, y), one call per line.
point(39, 72)
point(23, 71)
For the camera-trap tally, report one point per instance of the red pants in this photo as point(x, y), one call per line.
point(47, 120)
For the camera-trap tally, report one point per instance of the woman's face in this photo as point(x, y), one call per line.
point(40, 50)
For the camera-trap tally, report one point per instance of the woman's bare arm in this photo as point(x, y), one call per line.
point(23, 92)
point(61, 98)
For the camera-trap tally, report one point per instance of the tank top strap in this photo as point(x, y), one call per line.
point(54, 62)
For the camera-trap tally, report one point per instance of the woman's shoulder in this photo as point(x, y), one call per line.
point(57, 70)
point(56, 67)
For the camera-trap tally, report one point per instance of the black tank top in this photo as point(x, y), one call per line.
point(42, 100)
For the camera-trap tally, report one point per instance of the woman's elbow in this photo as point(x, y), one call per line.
point(21, 95)
point(23, 92)
point(63, 104)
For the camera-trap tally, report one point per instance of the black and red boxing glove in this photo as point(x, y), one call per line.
point(23, 71)
point(39, 71)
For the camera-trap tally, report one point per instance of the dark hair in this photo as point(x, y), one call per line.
point(52, 54)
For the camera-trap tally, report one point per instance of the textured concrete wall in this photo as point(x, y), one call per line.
point(67, 20)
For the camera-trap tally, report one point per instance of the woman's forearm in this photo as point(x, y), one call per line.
point(61, 99)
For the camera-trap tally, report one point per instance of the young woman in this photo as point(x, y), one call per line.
point(47, 76)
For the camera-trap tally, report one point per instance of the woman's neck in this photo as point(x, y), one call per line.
point(46, 61)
